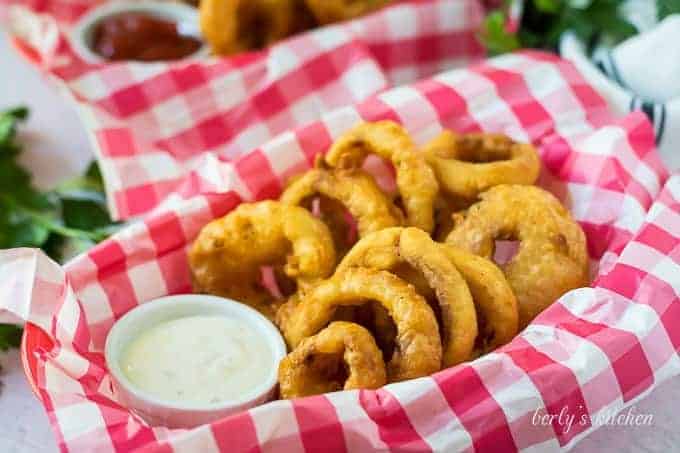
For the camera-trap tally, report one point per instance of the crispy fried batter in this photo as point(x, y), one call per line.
point(356, 190)
point(329, 11)
point(317, 365)
point(228, 253)
point(389, 249)
point(415, 179)
point(418, 350)
point(233, 26)
point(466, 165)
point(455, 301)
point(552, 257)
point(399, 305)
point(497, 315)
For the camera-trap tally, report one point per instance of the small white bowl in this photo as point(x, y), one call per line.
point(184, 15)
point(158, 412)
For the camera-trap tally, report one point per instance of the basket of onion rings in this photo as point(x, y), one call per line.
point(398, 296)
point(446, 261)
point(418, 304)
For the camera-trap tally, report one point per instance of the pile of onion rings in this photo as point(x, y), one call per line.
point(233, 26)
point(417, 289)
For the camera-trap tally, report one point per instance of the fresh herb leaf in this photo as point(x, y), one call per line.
point(544, 21)
point(10, 336)
point(665, 8)
point(495, 36)
point(548, 6)
point(63, 222)
point(76, 210)
point(83, 204)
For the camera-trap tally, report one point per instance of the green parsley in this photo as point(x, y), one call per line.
point(10, 336)
point(64, 221)
point(667, 7)
point(544, 21)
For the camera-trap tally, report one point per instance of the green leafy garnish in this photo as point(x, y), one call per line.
point(667, 7)
point(10, 336)
point(63, 222)
point(494, 35)
point(74, 211)
point(544, 21)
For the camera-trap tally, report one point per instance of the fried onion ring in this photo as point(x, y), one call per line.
point(418, 349)
point(317, 364)
point(329, 11)
point(497, 315)
point(227, 256)
point(233, 26)
point(387, 249)
point(552, 257)
point(415, 179)
point(466, 165)
point(356, 190)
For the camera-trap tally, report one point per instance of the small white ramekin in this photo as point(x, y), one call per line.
point(184, 15)
point(158, 412)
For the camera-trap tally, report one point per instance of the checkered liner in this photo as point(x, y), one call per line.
point(593, 352)
point(151, 123)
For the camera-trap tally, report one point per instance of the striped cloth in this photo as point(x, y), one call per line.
point(637, 75)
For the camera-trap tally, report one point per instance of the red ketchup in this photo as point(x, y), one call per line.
point(141, 37)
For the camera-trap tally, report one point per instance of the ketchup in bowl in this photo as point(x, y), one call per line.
point(142, 37)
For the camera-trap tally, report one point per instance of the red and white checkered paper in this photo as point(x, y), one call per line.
point(593, 352)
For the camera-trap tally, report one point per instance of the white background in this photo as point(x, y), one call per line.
point(56, 147)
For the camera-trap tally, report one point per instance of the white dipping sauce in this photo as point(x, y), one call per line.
point(199, 359)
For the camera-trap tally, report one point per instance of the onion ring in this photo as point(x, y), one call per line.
point(387, 249)
point(314, 366)
point(329, 11)
point(415, 179)
point(466, 165)
point(552, 257)
point(418, 350)
point(497, 315)
point(227, 256)
point(357, 191)
point(233, 26)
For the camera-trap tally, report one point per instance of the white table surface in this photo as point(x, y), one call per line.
point(57, 148)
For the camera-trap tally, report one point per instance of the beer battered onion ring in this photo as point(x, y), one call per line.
point(329, 11)
point(497, 313)
point(356, 190)
point(227, 256)
point(386, 249)
point(415, 179)
point(233, 26)
point(552, 257)
point(418, 349)
point(496, 317)
point(466, 165)
point(317, 365)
